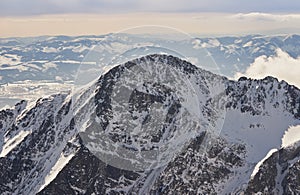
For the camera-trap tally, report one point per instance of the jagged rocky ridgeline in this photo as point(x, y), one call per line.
point(42, 151)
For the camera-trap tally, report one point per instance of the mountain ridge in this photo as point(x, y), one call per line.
point(224, 166)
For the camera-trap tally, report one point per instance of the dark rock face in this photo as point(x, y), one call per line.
point(86, 174)
point(7, 119)
point(291, 182)
point(268, 89)
point(265, 180)
point(23, 166)
point(194, 173)
point(208, 164)
point(279, 174)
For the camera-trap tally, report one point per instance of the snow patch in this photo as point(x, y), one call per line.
point(59, 165)
point(211, 43)
point(10, 59)
point(50, 50)
point(196, 44)
point(248, 44)
point(12, 143)
point(81, 49)
point(257, 166)
point(58, 78)
point(49, 65)
point(4, 107)
point(259, 139)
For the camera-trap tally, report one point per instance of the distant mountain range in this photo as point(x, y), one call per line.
point(58, 58)
point(32, 67)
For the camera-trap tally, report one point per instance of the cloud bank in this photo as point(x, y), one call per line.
point(281, 66)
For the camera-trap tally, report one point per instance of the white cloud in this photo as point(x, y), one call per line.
point(291, 136)
point(281, 66)
point(266, 17)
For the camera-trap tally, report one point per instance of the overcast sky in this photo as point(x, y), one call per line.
point(33, 7)
point(205, 17)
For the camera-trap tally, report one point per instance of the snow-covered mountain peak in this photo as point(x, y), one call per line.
point(149, 108)
point(210, 131)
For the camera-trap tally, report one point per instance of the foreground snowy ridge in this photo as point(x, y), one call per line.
point(258, 112)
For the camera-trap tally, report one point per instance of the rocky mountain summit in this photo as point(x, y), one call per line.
point(201, 134)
